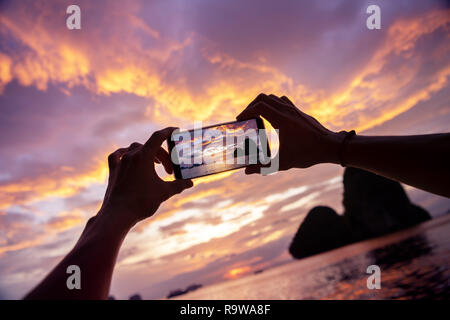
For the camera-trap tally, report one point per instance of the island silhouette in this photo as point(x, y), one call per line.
point(373, 206)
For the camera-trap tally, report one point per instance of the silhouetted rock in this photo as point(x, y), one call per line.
point(322, 230)
point(136, 296)
point(193, 287)
point(179, 292)
point(175, 293)
point(373, 205)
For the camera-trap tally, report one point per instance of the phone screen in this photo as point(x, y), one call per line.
point(218, 148)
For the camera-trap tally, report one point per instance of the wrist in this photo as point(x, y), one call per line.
point(113, 222)
point(331, 146)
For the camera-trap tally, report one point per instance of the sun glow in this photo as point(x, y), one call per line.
point(237, 272)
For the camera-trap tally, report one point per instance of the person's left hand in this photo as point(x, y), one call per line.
point(135, 191)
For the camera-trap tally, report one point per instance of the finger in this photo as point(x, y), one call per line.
point(134, 146)
point(155, 141)
point(277, 99)
point(156, 157)
point(261, 109)
point(289, 104)
point(255, 101)
point(163, 157)
point(287, 100)
point(258, 98)
point(280, 104)
point(177, 186)
point(114, 158)
point(253, 169)
point(272, 100)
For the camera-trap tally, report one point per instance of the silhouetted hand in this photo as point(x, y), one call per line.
point(134, 193)
point(304, 142)
point(134, 190)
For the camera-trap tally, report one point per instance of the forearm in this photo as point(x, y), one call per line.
point(134, 192)
point(421, 161)
point(95, 254)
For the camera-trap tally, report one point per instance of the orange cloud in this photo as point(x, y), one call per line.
point(5, 70)
point(22, 244)
point(233, 84)
point(65, 221)
point(237, 272)
point(61, 183)
point(375, 87)
point(20, 232)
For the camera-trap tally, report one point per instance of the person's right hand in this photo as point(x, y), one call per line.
point(304, 142)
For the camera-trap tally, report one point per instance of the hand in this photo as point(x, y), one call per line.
point(304, 142)
point(134, 190)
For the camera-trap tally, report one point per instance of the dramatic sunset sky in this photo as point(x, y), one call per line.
point(70, 97)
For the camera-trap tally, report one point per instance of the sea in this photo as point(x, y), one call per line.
point(413, 264)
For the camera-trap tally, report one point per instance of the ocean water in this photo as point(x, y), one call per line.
point(414, 264)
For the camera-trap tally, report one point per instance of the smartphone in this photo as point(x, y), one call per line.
point(218, 148)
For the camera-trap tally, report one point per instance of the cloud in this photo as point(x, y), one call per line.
point(70, 98)
point(65, 220)
point(59, 184)
point(227, 81)
point(218, 268)
point(18, 231)
point(21, 231)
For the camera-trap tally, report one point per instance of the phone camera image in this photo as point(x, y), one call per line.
point(218, 148)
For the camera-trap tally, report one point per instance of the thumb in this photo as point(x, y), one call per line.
point(177, 186)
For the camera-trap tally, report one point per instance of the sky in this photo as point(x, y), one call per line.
point(68, 98)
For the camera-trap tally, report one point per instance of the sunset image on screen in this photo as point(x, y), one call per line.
point(218, 148)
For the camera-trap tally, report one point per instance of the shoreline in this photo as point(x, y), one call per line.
point(318, 261)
